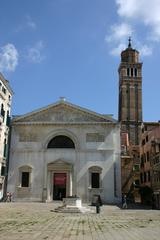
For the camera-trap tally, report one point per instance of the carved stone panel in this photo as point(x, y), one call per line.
point(63, 114)
point(27, 135)
point(94, 137)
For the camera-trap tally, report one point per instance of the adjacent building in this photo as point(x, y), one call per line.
point(130, 169)
point(5, 108)
point(65, 150)
point(150, 163)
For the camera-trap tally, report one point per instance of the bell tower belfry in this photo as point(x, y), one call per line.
point(130, 93)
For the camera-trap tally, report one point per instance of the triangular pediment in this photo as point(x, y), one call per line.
point(63, 112)
point(59, 165)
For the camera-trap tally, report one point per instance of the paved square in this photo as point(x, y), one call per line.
point(29, 221)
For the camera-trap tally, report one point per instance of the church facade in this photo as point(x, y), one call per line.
point(64, 150)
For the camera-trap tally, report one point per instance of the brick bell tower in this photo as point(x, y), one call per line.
point(130, 93)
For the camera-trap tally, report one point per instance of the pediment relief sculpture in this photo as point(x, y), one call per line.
point(63, 113)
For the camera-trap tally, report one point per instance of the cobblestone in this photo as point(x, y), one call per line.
point(31, 221)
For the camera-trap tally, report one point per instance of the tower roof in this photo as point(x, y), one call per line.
point(130, 55)
point(129, 42)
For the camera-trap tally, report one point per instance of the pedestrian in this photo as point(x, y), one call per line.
point(124, 201)
point(10, 197)
point(98, 203)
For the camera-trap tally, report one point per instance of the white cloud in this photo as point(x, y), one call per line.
point(26, 24)
point(34, 54)
point(145, 11)
point(30, 23)
point(117, 50)
point(8, 58)
point(145, 50)
point(128, 8)
point(117, 36)
point(119, 32)
point(138, 18)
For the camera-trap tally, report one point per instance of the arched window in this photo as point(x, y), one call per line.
point(61, 142)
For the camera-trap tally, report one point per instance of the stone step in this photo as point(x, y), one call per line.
point(68, 209)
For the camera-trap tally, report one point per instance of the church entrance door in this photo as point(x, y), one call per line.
point(59, 186)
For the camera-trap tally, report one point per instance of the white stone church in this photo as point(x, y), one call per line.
point(64, 150)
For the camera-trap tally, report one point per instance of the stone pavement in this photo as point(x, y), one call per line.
point(31, 221)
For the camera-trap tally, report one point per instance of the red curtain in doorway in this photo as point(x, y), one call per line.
point(60, 179)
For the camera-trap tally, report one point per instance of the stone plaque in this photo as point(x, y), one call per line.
point(94, 137)
point(28, 137)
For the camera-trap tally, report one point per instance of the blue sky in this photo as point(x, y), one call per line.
point(71, 48)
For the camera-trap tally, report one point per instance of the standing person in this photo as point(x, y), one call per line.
point(98, 204)
point(10, 197)
point(124, 201)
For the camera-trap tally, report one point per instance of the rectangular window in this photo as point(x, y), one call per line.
point(135, 72)
point(143, 142)
point(4, 90)
point(95, 180)
point(136, 167)
point(142, 161)
point(5, 150)
point(2, 111)
point(149, 176)
point(137, 183)
point(131, 72)
point(157, 148)
point(3, 171)
point(145, 177)
point(8, 120)
point(25, 179)
point(141, 177)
